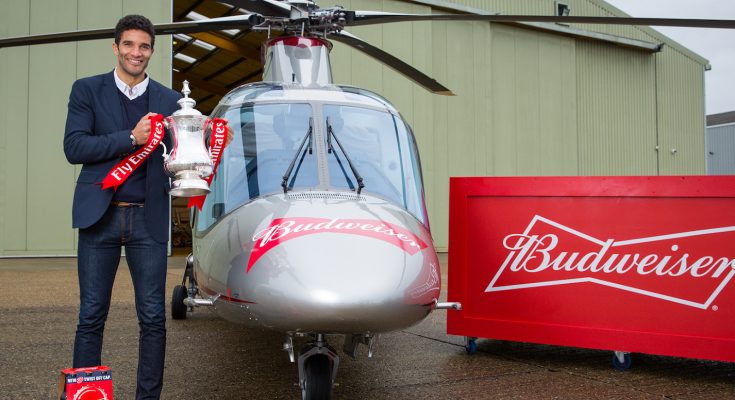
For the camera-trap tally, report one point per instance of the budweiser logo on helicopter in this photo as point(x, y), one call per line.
point(548, 253)
point(303, 151)
point(281, 230)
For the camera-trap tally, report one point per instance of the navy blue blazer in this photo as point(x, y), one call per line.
point(95, 136)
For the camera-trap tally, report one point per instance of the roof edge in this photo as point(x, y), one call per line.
point(656, 34)
point(450, 6)
point(724, 118)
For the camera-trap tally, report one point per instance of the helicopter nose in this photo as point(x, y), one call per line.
point(367, 277)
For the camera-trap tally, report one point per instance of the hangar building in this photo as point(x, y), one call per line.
point(531, 98)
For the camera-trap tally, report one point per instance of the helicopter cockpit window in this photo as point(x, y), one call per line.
point(266, 138)
point(378, 145)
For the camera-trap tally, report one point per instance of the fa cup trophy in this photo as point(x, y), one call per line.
point(189, 160)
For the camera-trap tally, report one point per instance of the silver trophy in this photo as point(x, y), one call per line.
point(189, 161)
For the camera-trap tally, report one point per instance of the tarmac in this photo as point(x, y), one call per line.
point(209, 358)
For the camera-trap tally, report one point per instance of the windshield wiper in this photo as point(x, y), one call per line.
point(330, 149)
point(287, 174)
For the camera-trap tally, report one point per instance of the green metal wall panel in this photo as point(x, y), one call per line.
point(14, 21)
point(533, 103)
point(681, 115)
point(617, 110)
point(51, 70)
point(503, 100)
point(35, 215)
point(443, 133)
point(482, 90)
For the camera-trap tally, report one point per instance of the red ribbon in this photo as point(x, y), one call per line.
point(122, 170)
point(217, 143)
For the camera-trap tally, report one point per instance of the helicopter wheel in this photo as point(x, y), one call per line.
point(318, 382)
point(178, 308)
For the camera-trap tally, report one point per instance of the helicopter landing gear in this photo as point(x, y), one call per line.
point(183, 296)
point(352, 342)
point(318, 363)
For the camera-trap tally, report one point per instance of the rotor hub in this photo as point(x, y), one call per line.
point(298, 60)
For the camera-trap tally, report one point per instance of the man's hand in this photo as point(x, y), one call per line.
point(142, 129)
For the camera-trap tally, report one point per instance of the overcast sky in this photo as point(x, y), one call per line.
point(716, 45)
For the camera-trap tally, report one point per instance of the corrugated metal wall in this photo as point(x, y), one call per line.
point(616, 92)
point(681, 114)
point(721, 150)
point(37, 182)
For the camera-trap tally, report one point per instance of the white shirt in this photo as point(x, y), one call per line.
point(131, 92)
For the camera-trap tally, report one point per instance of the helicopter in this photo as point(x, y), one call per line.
point(316, 223)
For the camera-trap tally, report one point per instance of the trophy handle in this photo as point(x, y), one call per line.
point(166, 125)
point(208, 123)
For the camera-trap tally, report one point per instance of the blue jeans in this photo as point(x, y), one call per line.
point(98, 258)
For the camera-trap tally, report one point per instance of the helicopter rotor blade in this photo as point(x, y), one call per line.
point(268, 8)
point(397, 64)
point(244, 22)
point(377, 17)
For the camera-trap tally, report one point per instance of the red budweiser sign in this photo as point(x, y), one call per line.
point(548, 253)
point(641, 264)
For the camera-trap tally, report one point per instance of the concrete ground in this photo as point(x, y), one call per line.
point(209, 358)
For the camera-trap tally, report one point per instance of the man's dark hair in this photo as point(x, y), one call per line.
point(139, 22)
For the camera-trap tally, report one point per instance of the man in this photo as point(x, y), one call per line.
point(107, 120)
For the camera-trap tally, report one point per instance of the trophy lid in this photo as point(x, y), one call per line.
point(186, 103)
